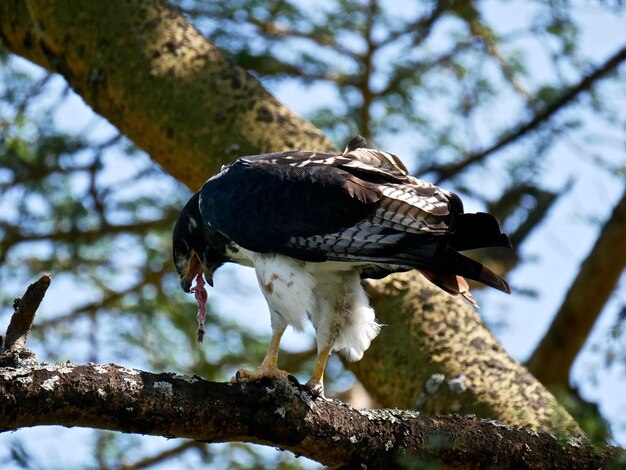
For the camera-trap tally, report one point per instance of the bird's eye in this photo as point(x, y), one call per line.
point(182, 247)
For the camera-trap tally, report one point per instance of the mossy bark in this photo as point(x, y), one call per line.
point(435, 355)
point(147, 70)
point(273, 413)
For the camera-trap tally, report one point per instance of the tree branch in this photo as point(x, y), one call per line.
point(272, 413)
point(421, 27)
point(277, 31)
point(366, 63)
point(447, 171)
point(22, 319)
point(156, 50)
point(552, 360)
point(479, 28)
point(91, 235)
point(162, 456)
point(439, 358)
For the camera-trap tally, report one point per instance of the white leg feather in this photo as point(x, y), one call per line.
point(345, 316)
point(330, 294)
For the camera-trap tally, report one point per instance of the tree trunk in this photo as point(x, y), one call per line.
point(142, 66)
point(436, 356)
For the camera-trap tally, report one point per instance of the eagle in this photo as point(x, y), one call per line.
point(313, 225)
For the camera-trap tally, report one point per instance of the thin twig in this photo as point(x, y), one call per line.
point(162, 456)
point(25, 308)
point(445, 172)
point(422, 26)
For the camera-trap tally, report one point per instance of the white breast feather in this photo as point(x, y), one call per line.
point(287, 286)
point(329, 294)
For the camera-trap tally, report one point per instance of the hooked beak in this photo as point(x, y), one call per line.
point(193, 268)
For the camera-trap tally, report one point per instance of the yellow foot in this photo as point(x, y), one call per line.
point(315, 388)
point(244, 375)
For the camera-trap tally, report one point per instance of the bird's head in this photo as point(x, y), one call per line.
point(196, 247)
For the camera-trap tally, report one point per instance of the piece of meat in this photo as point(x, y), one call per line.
point(201, 296)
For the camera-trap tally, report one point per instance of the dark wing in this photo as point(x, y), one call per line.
point(373, 161)
point(360, 206)
point(260, 202)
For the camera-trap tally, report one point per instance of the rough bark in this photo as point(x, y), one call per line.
point(453, 365)
point(276, 414)
point(142, 66)
point(552, 360)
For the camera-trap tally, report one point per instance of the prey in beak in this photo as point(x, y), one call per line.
point(194, 267)
point(195, 270)
point(197, 251)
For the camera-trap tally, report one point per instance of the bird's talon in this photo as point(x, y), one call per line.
point(271, 373)
point(315, 390)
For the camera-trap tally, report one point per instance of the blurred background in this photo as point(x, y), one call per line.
point(519, 107)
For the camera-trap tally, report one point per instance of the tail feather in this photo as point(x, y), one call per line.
point(487, 276)
point(446, 261)
point(479, 230)
point(453, 262)
point(451, 283)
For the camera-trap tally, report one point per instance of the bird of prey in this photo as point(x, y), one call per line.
point(313, 225)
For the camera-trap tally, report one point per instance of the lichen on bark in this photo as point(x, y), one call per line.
point(435, 355)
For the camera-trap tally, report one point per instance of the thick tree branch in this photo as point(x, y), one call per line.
point(552, 360)
point(145, 68)
point(462, 367)
point(447, 171)
point(275, 414)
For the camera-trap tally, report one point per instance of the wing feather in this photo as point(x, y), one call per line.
point(260, 202)
point(305, 193)
point(360, 206)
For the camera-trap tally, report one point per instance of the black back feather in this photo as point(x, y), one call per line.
point(360, 207)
